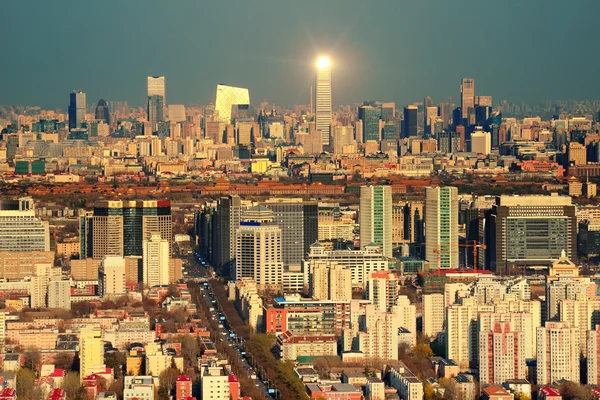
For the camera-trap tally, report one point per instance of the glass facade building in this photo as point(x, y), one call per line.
point(228, 96)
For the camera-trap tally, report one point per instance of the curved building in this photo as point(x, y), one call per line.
point(102, 112)
point(228, 96)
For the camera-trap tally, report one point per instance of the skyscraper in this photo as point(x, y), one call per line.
point(441, 227)
point(102, 111)
point(298, 221)
point(77, 106)
point(228, 96)
point(409, 128)
point(120, 227)
point(157, 100)
point(225, 224)
point(467, 97)
point(376, 217)
point(370, 116)
point(323, 98)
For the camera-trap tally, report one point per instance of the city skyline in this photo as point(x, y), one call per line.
point(280, 67)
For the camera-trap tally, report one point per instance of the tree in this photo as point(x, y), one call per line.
point(574, 391)
point(116, 360)
point(189, 351)
point(71, 385)
point(117, 387)
point(167, 380)
point(25, 383)
point(32, 360)
point(81, 308)
point(64, 361)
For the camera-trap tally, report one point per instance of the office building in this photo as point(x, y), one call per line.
point(434, 314)
point(557, 353)
point(77, 108)
point(91, 350)
point(467, 97)
point(546, 226)
point(483, 101)
point(176, 112)
point(376, 217)
point(102, 113)
point(330, 281)
point(577, 154)
point(370, 117)
point(481, 142)
point(228, 96)
point(156, 261)
point(120, 227)
point(441, 227)
point(112, 277)
point(298, 221)
point(155, 111)
point(226, 221)
point(323, 102)
point(362, 263)
point(409, 127)
point(259, 249)
point(501, 354)
point(20, 229)
point(382, 290)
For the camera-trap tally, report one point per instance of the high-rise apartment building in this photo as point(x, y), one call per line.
point(409, 127)
point(259, 249)
point(20, 229)
point(376, 217)
point(362, 263)
point(441, 227)
point(557, 353)
point(59, 293)
point(378, 338)
point(593, 356)
point(501, 355)
point(330, 281)
point(406, 313)
point(382, 290)
point(120, 227)
point(545, 226)
point(77, 108)
point(298, 221)
point(228, 96)
point(214, 383)
point(323, 102)
point(91, 350)
point(112, 277)
point(434, 314)
point(467, 96)
point(155, 261)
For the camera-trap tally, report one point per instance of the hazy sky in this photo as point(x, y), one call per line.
point(400, 50)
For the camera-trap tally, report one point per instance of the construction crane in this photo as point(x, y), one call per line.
point(471, 243)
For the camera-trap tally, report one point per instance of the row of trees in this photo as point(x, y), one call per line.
point(259, 347)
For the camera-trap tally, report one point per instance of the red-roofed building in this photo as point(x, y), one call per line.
point(234, 387)
point(57, 394)
point(496, 393)
point(183, 387)
point(596, 392)
point(548, 393)
point(8, 394)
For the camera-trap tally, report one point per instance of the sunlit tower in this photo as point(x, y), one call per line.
point(323, 98)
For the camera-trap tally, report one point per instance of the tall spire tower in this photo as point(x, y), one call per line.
point(323, 98)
